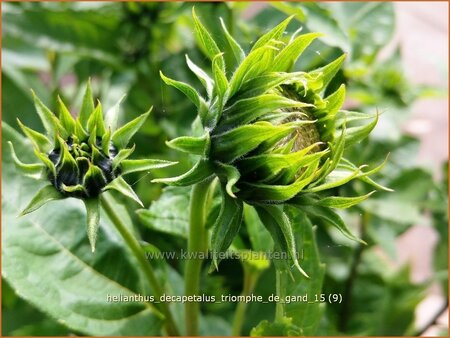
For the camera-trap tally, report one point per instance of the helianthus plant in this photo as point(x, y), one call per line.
point(271, 138)
point(84, 157)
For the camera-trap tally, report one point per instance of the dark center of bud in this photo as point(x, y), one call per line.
point(73, 176)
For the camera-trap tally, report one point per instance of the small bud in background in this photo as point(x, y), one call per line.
point(82, 157)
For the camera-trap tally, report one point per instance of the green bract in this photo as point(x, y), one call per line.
point(270, 135)
point(83, 157)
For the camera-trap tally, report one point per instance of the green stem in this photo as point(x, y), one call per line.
point(139, 254)
point(250, 279)
point(281, 293)
point(197, 246)
point(353, 275)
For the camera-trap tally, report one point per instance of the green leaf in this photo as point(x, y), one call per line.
point(48, 262)
point(357, 134)
point(335, 179)
point(67, 164)
point(273, 34)
point(68, 31)
point(233, 144)
point(335, 101)
point(93, 219)
point(65, 117)
point(131, 166)
point(327, 115)
point(204, 78)
point(45, 195)
point(261, 84)
point(106, 141)
point(267, 166)
point(283, 327)
point(120, 185)
point(338, 202)
point(39, 140)
point(197, 173)
point(270, 193)
point(226, 227)
point(358, 21)
point(206, 42)
point(35, 171)
point(286, 59)
point(231, 176)
point(122, 155)
point(220, 79)
point(305, 314)
point(191, 145)
point(168, 213)
point(363, 176)
point(249, 68)
point(332, 218)
point(44, 158)
point(186, 89)
point(92, 140)
point(238, 53)
point(87, 106)
point(248, 110)
point(79, 131)
point(258, 234)
point(96, 121)
point(319, 19)
point(121, 137)
point(280, 228)
point(112, 115)
point(329, 71)
point(48, 119)
point(337, 150)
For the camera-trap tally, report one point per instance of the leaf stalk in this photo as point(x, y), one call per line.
point(140, 256)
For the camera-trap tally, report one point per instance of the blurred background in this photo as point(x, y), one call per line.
point(397, 64)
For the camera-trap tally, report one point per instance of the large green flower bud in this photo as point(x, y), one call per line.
point(269, 134)
point(83, 157)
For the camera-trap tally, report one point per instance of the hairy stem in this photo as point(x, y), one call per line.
point(139, 254)
point(250, 278)
point(197, 244)
point(281, 293)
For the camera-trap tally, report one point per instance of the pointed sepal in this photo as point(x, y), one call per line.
point(205, 41)
point(121, 137)
point(122, 155)
point(280, 228)
point(49, 120)
point(112, 115)
point(93, 219)
point(35, 170)
point(238, 52)
point(66, 119)
point(87, 106)
point(201, 171)
point(43, 196)
point(226, 227)
point(191, 145)
point(95, 121)
point(131, 166)
point(39, 140)
point(120, 185)
point(332, 218)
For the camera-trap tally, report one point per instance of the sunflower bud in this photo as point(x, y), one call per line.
point(269, 134)
point(83, 157)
